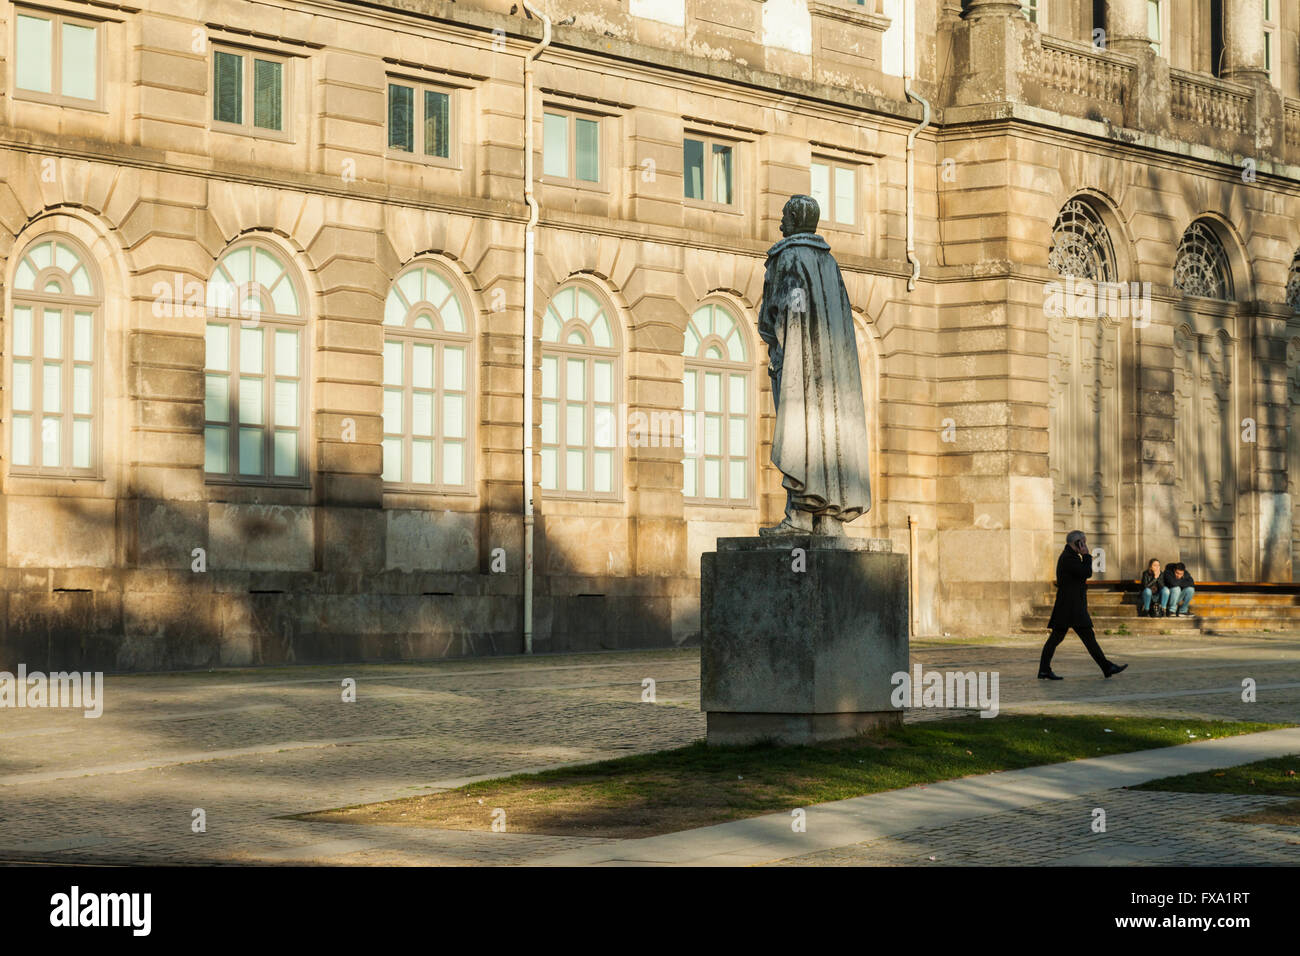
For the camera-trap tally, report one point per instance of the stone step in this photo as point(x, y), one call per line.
point(1214, 597)
point(1202, 610)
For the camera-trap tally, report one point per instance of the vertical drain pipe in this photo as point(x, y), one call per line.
point(915, 563)
point(529, 277)
point(909, 55)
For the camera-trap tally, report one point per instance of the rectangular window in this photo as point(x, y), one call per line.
point(1271, 49)
point(420, 121)
point(53, 388)
point(709, 171)
point(57, 59)
point(240, 78)
point(835, 187)
point(1030, 8)
point(570, 147)
point(1156, 25)
point(252, 403)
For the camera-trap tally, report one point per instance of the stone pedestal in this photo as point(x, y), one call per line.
point(800, 636)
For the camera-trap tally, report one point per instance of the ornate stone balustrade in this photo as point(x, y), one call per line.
point(1083, 70)
point(1291, 115)
point(1209, 102)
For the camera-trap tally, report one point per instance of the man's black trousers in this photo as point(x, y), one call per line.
point(1086, 634)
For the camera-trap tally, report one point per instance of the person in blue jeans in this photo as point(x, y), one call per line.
point(1178, 590)
point(1150, 585)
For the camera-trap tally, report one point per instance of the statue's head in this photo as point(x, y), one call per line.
point(800, 215)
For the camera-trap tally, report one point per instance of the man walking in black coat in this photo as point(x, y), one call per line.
point(1073, 569)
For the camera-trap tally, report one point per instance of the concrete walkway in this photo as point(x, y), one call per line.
point(863, 819)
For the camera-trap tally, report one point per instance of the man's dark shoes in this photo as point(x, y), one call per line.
point(1049, 674)
point(1112, 669)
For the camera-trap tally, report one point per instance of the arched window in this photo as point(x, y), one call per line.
point(716, 424)
point(427, 341)
point(254, 389)
point(579, 376)
point(1293, 283)
point(1201, 267)
point(1081, 245)
point(55, 360)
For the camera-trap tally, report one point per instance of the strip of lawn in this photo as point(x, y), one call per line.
point(1278, 777)
point(698, 785)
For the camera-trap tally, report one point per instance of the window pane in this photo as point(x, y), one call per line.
point(392, 459)
point(392, 363)
point(22, 386)
point(83, 337)
point(286, 404)
point(737, 441)
point(53, 389)
point(250, 451)
point(603, 387)
point(689, 469)
point(53, 335)
point(738, 489)
point(736, 400)
point(712, 392)
point(605, 426)
point(216, 398)
point(422, 462)
point(250, 401)
point(286, 353)
point(286, 453)
point(401, 119)
point(588, 149)
point(393, 411)
point(453, 416)
point(453, 463)
point(846, 199)
point(550, 424)
point(712, 478)
point(549, 374)
point(713, 434)
point(549, 480)
point(422, 366)
point(453, 368)
point(81, 444)
point(51, 441)
point(81, 390)
point(250, 351)
point(216, 450)
point(721, 173)
point(268, 100)
point(437, 133)
point(575, 478)
point(576, 380)
point(688, 390)
point(35, 49)
point(22, 330)
point(218, 347)
point(821, 187)
point(575, 418)
point(228, 87)
point(22, 432)
point(693, 168)
point(422, 413)
point(79, 54)
point(603, 468)
point(555, 145)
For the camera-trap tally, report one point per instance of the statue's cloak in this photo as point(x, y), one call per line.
point(820, 440)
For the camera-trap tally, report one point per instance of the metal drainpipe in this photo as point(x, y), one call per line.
point(909, 53)
point(534, 211)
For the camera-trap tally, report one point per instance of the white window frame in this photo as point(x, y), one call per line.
point(1035, 11)
point(1159, 45)
point(694, 452)
point(708, 201)
point(571, 117)
point(67, 304)
point(830, 212)
point(1272, 54)
point(56, 97)
point(407, 336)
point(420, 89)
point(248, 106)
point(269, 323)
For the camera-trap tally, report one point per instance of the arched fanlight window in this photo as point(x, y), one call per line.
point(1293, 283)
point(716, 422)
point(255, 395)
point(55, 360)
point(1081, 245)
point(580, 378)
point(427, 343)
point(1201, 267)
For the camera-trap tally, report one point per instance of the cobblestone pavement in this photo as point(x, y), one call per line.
point(250, 747)
point(1143, 828)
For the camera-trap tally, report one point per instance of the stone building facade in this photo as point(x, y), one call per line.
point(264, 270)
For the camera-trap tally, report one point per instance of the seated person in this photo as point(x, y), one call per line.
point(1182, 599)
point(1170, 586)
point(1150, 584)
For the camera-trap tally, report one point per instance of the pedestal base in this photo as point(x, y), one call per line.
point(800, 637)
point(728, 729)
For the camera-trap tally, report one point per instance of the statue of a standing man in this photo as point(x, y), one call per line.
point(820, 440)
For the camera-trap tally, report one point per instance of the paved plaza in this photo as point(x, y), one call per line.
point(251, 747)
